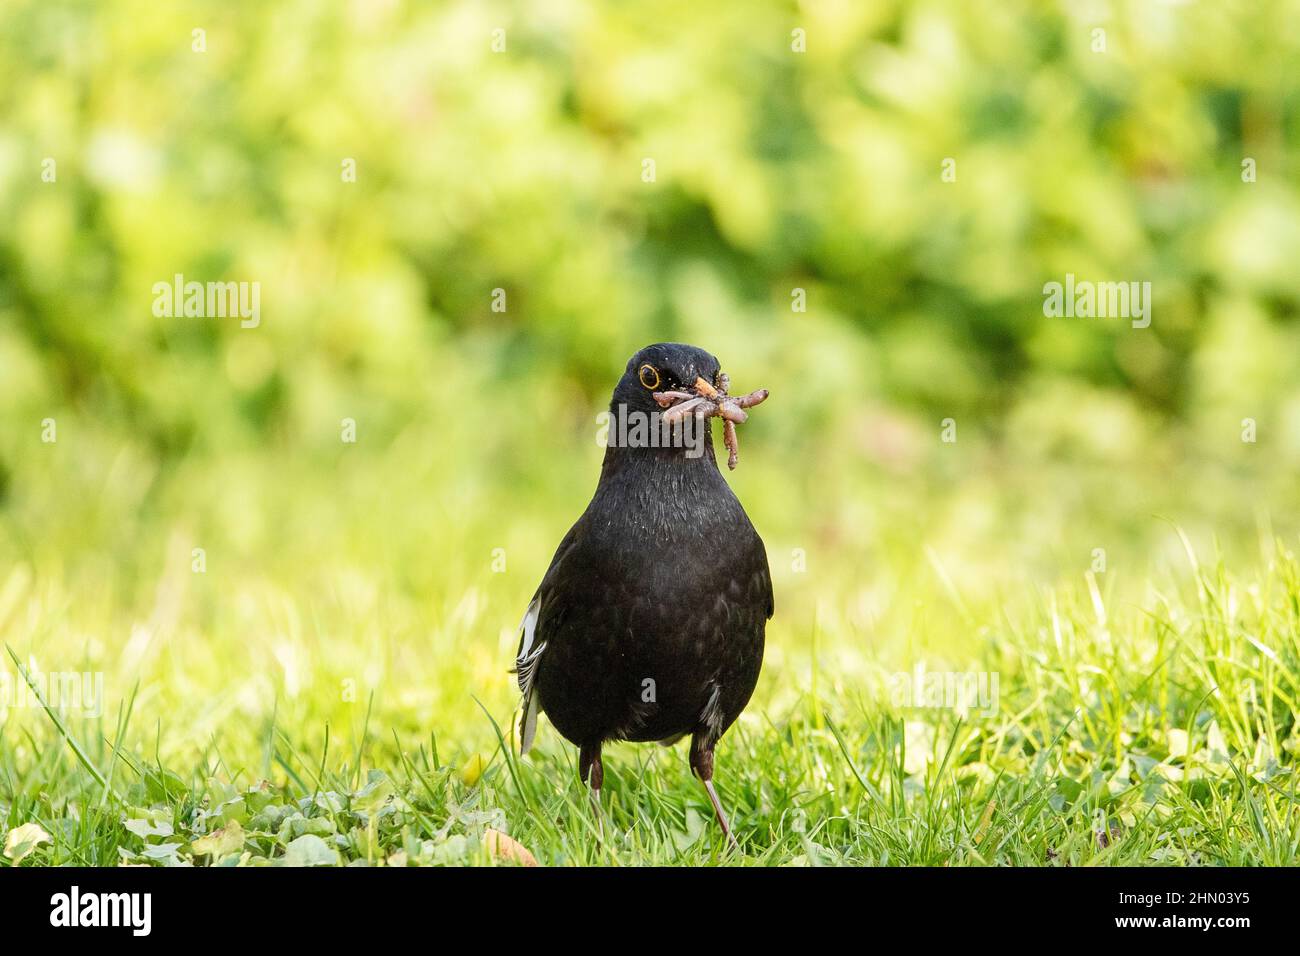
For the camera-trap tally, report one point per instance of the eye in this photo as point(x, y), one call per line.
point(649, 376)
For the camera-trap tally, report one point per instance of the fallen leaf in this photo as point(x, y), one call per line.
point(23, 840)
point(228, 839)
point(507, 848)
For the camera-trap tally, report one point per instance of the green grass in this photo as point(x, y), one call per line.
point(1159, 731)
point(332, 682)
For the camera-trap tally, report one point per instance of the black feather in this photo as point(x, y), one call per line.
point(654, 607)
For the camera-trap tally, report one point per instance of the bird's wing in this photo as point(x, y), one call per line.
point(761, 576)
point(530, 653)
point(531, 646)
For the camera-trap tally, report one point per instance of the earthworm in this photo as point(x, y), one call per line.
point(729, 439)
point(697, 406)
point(708, 401)
point(666, 399)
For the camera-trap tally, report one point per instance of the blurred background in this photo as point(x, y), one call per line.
point(499, 146)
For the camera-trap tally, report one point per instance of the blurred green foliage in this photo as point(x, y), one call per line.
point(522, 170)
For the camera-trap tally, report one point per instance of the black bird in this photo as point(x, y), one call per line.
point(649, 623)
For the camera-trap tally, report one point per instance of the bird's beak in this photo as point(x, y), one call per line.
point(731, 411)
point(707, 400)
point(704, 389)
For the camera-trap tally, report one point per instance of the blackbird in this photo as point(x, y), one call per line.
point(649, 623)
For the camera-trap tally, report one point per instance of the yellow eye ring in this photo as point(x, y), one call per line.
point(649, 376)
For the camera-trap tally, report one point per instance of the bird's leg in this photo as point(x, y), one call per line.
point(702, 767)
point(592, 771)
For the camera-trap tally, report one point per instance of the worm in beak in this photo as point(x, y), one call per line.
point(709, 401)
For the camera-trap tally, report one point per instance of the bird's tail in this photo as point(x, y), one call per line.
point(528, 722)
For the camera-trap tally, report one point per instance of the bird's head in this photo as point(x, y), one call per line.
point(665, 400)
point(665, 367)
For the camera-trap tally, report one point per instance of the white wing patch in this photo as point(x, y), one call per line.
point(526, 668)
point(530, 653)
point(712, 713)
point(529, 626)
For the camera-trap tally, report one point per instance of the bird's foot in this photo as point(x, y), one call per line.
point(591, 770)
point(722, 817)
point(598, 811)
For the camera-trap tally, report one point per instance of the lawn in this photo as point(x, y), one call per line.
point(350, 723)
